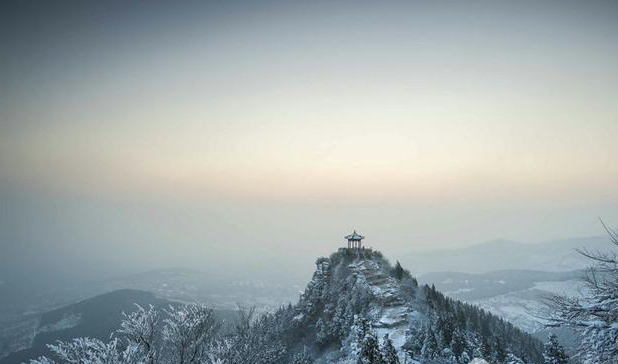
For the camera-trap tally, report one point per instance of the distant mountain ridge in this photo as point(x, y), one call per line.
point(175, 284)
point(95, 317)
point(499, 255)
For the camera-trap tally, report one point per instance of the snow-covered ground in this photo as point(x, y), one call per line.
point(390, 314)
point(524, 308)
point(516, 295)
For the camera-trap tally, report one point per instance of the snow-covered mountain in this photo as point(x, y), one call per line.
point(355, 286)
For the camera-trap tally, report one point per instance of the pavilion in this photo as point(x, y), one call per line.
point(354, 240)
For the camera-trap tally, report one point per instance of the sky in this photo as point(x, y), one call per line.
point(148, 134)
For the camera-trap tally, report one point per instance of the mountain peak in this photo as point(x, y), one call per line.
point(354, 285)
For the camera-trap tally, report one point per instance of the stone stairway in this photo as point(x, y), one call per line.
point(383, 287)
point(391, 315)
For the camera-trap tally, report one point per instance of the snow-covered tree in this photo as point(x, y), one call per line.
point(398, 271)
point(303, 357)
point(358, 331)
point(553, 352)
point(485, 349)
point(430, 348)
point(190, 330)
point(389, 354)
point(415, 337)
point(595, 314)
point(42, 360)
point(499, 351)
point(140, 328)
point(370, 351)
point(254, 342)
point(187, 338)
point(458, 346)
point(321, 332)
point(464, 358)
point(92, 351)
point(513, 359)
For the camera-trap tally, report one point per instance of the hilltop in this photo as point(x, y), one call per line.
point(358, 289)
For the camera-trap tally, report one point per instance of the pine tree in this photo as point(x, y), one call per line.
point(444, 331)
point(370, 351)
point(398, 271)
point(485, 348)
point(499, 350)
point(358, 331)
point(321, 332)
point(430, 348)
point(389, 354)
point(414, 339)
point(458, 344)
point(553, 352)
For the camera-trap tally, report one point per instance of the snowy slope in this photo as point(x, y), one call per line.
point(390, 313)
point(515, 295)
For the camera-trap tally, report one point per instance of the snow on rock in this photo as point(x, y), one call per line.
point(298, 317)
point(389, 313)
point(478, 361)
point(383, 287)
point(66, 322)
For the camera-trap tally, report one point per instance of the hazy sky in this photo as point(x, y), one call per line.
point(145, 134)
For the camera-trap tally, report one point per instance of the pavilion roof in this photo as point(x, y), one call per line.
point(354, 236)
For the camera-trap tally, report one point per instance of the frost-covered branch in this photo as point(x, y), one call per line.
point(595, 314)
point(190, 330)
point(140, 329)
point(92, 351)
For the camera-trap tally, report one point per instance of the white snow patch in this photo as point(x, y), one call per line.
point(569, 288)
point(298, 317)
point(460, 290)
point(66, 322)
